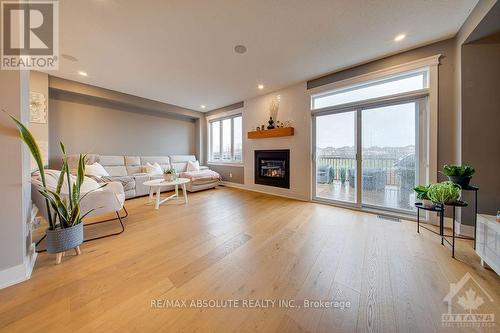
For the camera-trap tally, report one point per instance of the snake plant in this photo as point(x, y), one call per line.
point(63, 210)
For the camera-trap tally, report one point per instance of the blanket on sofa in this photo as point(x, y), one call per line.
point(202, 175)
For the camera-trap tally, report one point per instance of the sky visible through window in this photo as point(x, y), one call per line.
point(391, 126)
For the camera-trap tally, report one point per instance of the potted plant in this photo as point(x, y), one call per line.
point(444, 193)
point(421, 191)
point(343, 174)
point(459, 174)
point(169, 174)
point(65, 230)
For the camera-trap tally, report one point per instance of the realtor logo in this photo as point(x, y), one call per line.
point(465, 300)
point(30, 35)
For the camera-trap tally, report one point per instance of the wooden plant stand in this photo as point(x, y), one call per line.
point(60, 255)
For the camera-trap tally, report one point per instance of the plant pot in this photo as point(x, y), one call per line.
point(60, 240)
point(168, 177)
point(463, 181)
point(427, 202)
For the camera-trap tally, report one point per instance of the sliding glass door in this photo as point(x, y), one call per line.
point(372, 156)
point(336, 157)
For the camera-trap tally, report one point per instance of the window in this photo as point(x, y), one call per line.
point(392, 85)
point(226, 139)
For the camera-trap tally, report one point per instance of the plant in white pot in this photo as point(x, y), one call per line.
point(169, 174)
point(65, 230)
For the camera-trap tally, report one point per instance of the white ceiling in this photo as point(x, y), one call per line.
point(181, 51)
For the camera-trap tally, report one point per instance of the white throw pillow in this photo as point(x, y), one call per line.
point(52, 176)
point(193, 166)
point(154, 169)
point(95, 170)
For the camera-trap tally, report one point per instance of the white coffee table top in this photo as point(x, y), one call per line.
point(162, 182)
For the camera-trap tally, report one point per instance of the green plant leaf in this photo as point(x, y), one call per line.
point(30, 142)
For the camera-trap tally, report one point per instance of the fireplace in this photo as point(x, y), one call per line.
point(272, 167)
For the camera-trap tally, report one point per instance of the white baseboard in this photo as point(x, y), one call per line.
point(464, 230)
point(19, 273)
point(460, 229)
point(246, 188)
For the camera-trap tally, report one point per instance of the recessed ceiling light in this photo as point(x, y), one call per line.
point(240, 49)
point(399, 37)
point(203, 106)
point(82, 73)
point(260, 86)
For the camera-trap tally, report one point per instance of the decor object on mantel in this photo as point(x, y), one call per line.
point(272, 133)
point(65, 219)
point(271, 123)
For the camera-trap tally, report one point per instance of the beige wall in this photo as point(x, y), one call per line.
point(14, 177)
point(88, 125)
point(481, 119)
point(294, 107)
point(230, 173)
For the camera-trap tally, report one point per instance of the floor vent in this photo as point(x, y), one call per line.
point(389, 218)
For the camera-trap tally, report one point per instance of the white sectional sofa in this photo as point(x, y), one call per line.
point(130, 171)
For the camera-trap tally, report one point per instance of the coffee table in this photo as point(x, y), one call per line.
point(158, 183)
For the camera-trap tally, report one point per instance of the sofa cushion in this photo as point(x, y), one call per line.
point(201, 177)
point(140, 188)
point(133, 165)
point(114, 165)
point(179, 162)
point(117, 170)
point(132, 160)
point(182, 158)
point(128, 182)
point(109, 160)
point(163, 161)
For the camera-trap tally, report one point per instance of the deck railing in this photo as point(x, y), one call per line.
point(386, 164)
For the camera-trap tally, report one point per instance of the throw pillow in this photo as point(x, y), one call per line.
point(153, 169)
point(95, 170)
point(193, 166)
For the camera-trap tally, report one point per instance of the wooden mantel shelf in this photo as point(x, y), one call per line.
point(272, 133)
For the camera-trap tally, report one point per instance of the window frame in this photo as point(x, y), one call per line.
point(362, 84)
point(221, 141)
point(431, 63)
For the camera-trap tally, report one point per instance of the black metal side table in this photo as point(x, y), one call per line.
point(440, 208)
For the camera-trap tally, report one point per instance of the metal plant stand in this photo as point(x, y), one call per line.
point(475, 189)
point(440, 208)
point(118, 217)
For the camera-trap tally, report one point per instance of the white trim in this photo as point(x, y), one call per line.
point(373, 102)
point(412, 65)
point(464, 229)
point(251, 189)
point(231, 164)
point(17, 274)
point(224, 114)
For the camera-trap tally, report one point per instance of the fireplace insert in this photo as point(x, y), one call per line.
point(272, 167)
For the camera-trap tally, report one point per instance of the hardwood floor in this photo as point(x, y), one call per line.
point(228, 244)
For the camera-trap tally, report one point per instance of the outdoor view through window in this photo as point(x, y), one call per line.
point(388, 149)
